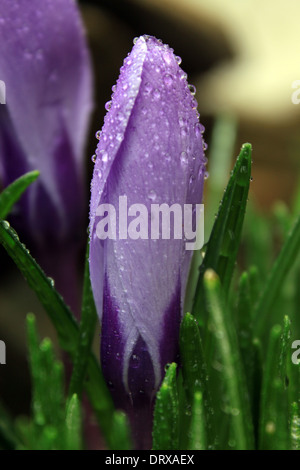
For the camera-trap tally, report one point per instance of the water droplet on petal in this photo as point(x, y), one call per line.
point(168, 79)
point(135, 40)
point(98, 134)
point(192, 89)
point(108, 105)
point(184, 158)
point(156, 94)
point(152, 195)
point(167, 57)
point(178, 59)
point(94, 157)
point(147, 88)
point(199, 129)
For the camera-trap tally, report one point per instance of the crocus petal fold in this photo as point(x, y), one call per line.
point(46, 68)
point(150, 151)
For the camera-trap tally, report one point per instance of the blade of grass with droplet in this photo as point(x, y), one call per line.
point(225, 237)
point(14, 191)
point(63, 321)
point(86, 334)
point(165, 423)
point(231, 372)
point(272, 286)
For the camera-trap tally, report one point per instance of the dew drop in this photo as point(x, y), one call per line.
point(98, 134)
point(135, 40)
point(147, 88)
point(108, 105)
point(192, 89)
point(168, 80)
point(206, 175)
point(6, 225)
point(94, 157)
point(198, 129)
point(167, 57)
point(152, 195)
point(156, 94)
point(178, 59)
point(183, 158)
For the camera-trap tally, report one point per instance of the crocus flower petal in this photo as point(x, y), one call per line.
point(46, 68)
point(151, 151)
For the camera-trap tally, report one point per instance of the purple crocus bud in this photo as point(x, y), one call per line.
point(45, 65)
point(150, 152)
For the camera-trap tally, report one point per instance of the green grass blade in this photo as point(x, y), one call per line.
point(62, 319)
point(73, 424)
point(194, 373)
point(231, 371)
point(244, 327)
point(274, 425)
point(14, 191)
point(121, 438)
point(225, 237)
point(197, 435)
point(281, 267)
point(165, 425)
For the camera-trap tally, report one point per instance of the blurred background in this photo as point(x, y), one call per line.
point(242, 56)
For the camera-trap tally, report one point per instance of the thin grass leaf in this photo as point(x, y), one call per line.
point(73, 424)
point(274, 425)
point(245, 329)
point(14, 191)
point(225, 237)
point(231, 371)
point(281, 267)
point(194, 372)
point(86, 335)
point(197, 434)
point(165, 424)
point(63, 321)
point(120, 435)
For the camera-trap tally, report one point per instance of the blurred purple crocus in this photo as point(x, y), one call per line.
point(45, 65)
point(150, 150)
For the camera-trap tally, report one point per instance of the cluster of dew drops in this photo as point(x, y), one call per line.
point(168, 81)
